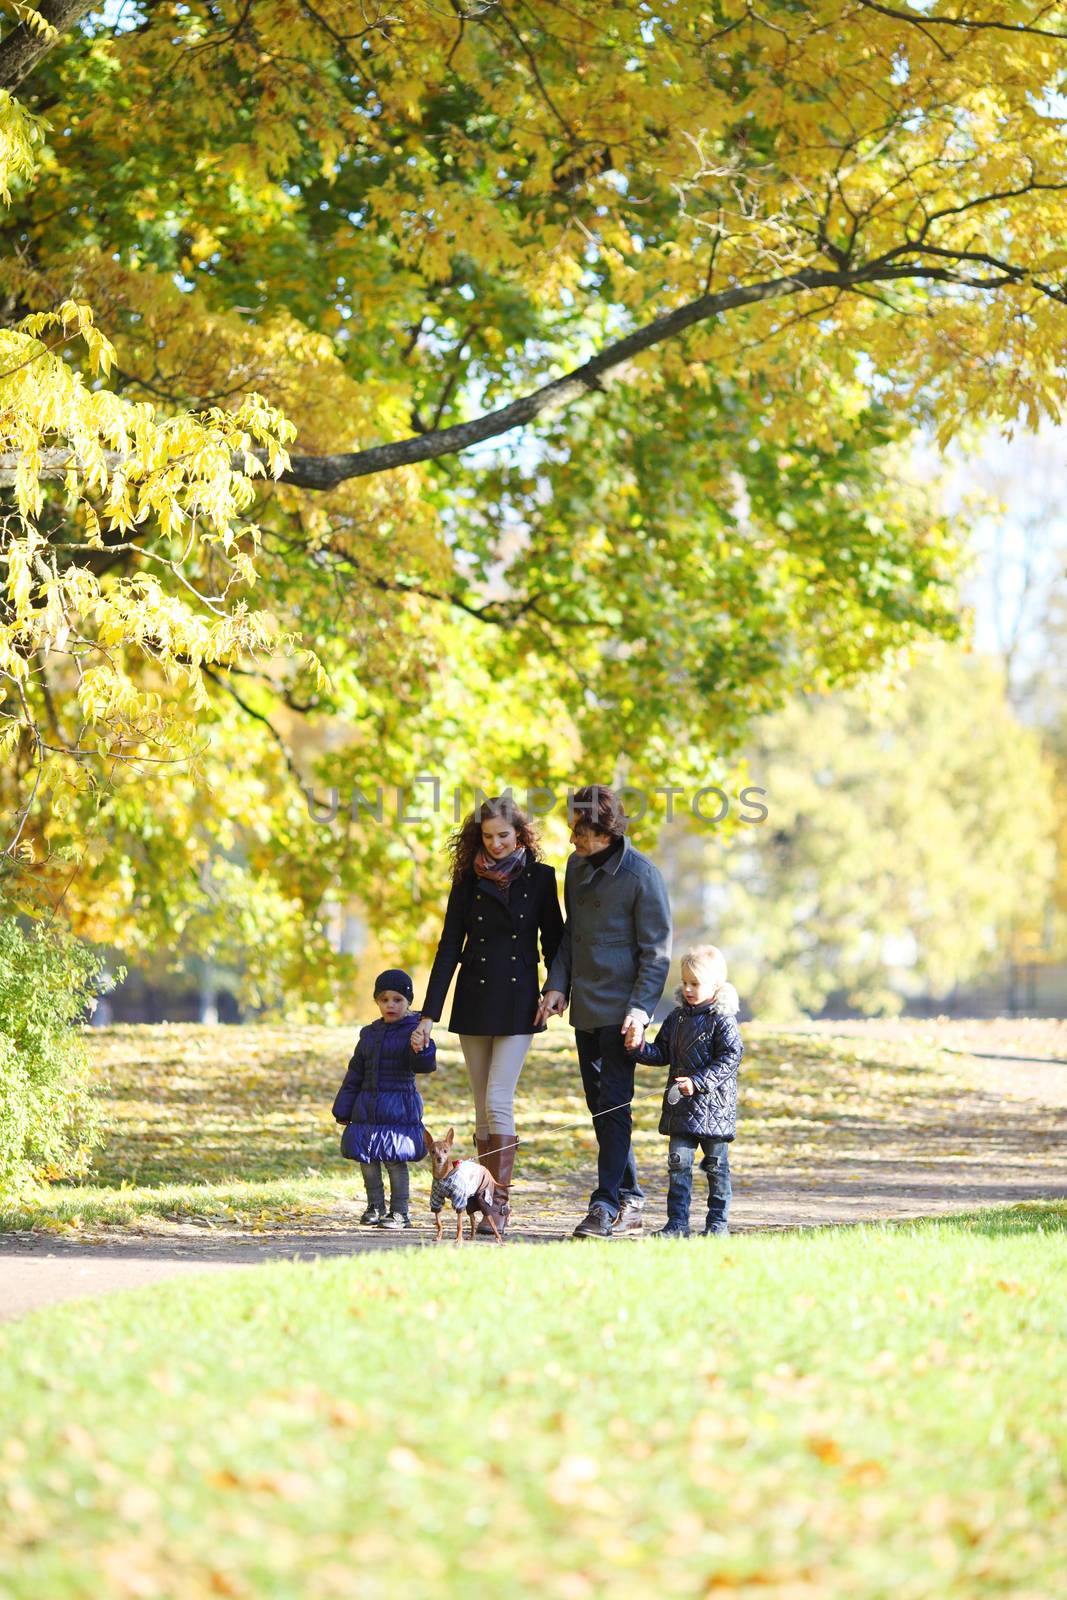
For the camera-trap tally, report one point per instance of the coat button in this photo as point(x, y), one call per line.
point(514, 980)
point(481, 980)
point(514, 958)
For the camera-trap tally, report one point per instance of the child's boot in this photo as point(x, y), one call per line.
point(397, 1215)
point(372, 1182)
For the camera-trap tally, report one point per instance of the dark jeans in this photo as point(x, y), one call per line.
point(608, 1081)
point(398, 1184)
point(716, 1164)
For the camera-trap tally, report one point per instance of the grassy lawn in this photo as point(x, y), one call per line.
point(232, 1126)
point(861, 1412)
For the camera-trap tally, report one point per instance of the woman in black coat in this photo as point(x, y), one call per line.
point(502, 898)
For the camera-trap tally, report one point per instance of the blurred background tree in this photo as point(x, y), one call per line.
point(909, 837)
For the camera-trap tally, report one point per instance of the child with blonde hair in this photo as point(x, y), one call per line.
point(701, 1045)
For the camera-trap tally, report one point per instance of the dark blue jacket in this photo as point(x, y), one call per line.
point(378, 1097)
point(703, 1043)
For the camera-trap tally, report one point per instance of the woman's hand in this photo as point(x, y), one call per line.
point(553, 1003)
point(420, 1035)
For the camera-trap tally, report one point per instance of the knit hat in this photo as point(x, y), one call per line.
point(395, 978)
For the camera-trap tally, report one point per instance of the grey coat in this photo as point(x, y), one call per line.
point(616, 947)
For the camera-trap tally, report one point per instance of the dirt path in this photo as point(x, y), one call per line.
point(1003, 1140)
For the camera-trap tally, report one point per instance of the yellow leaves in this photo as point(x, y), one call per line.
point(187, 476)
point(19, 555)
point(825, 1449)
point(73, 319)
point(20, 138)
point(34, 20)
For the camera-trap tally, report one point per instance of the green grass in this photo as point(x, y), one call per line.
point(865, 1412)
point(232, 1125)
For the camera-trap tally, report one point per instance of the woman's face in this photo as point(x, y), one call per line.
point(498, 838)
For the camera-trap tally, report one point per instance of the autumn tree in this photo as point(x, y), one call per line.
point(600, 328)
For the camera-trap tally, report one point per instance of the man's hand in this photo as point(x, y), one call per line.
point(553, 1003)
point(420, 1035)
point(686, 1085)
point(633, 1028)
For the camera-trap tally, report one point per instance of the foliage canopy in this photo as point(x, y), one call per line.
point(714, 262)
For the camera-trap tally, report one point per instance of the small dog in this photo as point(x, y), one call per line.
point(468, 1185)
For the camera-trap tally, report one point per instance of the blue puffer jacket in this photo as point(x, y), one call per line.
point(703, 1043)
point(378, 1098)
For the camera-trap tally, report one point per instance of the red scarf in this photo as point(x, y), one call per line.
point(503, 872)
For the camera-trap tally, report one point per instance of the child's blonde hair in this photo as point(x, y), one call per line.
point(708, 962)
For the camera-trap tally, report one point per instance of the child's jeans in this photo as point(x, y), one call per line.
point(716, 1164)
point(398, 1184)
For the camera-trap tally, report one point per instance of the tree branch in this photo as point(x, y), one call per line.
point(250, 711)
point(23, 47)
point(327, 471)
point(925, 19)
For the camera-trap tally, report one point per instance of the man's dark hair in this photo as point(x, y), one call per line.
point(598, 809)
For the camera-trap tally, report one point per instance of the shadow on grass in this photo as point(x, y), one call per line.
point(235, 1124)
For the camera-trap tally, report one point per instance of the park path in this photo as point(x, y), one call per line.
point(1003, 1140)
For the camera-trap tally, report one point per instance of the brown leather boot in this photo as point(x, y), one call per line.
point(488, 1156)
point(501, 1164)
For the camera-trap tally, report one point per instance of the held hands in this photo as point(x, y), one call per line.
point(633, 1029)
point(552, 1003)
point(420, 1035)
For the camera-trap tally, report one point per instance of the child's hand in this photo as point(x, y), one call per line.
point(686, 1085)
point(633, 1030)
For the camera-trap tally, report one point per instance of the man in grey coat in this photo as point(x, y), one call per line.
point(612, 961)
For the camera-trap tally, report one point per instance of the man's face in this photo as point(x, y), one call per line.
point(587, 841)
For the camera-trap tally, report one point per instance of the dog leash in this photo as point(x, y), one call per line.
point(514, 1143)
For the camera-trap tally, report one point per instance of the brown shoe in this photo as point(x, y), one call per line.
point(501, 1163)
point(630, 1222)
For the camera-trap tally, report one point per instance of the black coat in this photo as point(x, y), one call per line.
point(703, 1043)
point(493, 938)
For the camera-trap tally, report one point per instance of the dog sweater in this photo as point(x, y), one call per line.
point(461, 1186)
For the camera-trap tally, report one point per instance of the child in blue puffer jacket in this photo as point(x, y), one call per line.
point(379, 1103)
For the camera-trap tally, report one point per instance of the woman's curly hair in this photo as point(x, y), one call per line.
point(464, 844)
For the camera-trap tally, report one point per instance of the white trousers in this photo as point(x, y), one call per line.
point(494, 1062)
